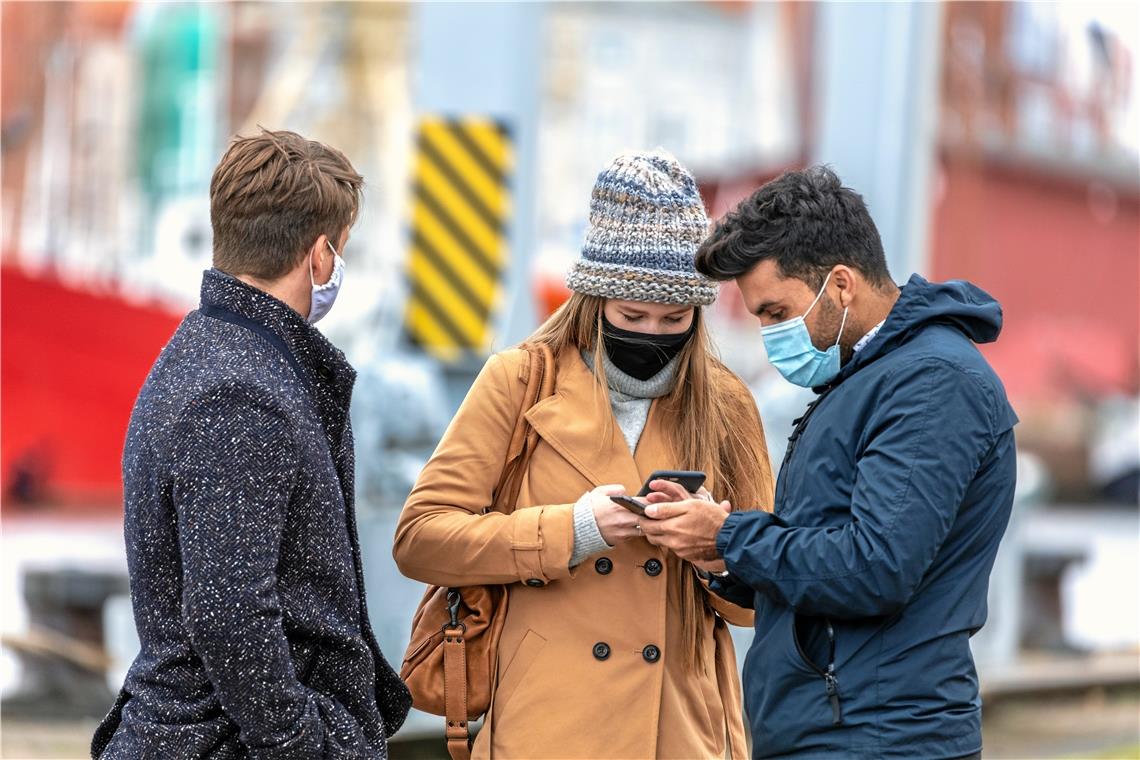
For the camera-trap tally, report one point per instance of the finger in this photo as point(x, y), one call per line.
point(666, 511)
point(611, 490)
point(656, 536)
point(726, 507)
point(676, 491)
point(656, 497)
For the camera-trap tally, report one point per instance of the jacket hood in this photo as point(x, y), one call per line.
point(956, 303)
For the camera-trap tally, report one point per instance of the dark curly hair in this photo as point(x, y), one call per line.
point(807, 222)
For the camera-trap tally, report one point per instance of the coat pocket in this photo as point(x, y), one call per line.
point(786, 699)
point(527, 652)
point(106, 730)
point(814, 640)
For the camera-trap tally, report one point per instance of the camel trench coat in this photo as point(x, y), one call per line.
point(589, 662)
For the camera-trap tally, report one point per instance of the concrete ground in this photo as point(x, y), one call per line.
point(1095, 725)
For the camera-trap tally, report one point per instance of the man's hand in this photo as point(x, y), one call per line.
point(687, 528)
point(666, 491)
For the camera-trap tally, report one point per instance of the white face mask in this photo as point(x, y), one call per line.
point(324, 295)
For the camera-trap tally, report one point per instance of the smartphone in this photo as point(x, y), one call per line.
point(630, 503)
point(690, 480)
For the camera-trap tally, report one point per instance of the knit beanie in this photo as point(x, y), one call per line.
point(646, 222)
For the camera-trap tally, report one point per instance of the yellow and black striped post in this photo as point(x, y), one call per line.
point(459, 226)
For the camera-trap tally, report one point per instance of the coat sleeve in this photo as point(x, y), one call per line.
point(443, 536)
point(735, 611)
point(922, 448)
point(235, 462)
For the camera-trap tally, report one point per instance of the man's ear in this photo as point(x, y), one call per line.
point(317, 253)
point(847, 282)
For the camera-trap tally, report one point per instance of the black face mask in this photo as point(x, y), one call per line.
point(642, 355)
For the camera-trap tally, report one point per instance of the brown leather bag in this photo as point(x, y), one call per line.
point(450, 662)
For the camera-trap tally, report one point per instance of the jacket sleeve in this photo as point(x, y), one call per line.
point(922, 448)
point(731, 592)
point(235, 462)
point(443, 536)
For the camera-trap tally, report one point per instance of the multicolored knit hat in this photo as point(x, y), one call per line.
point(646, 222)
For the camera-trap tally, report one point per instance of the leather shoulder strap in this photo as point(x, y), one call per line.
point(538, 374)
point(455, 693)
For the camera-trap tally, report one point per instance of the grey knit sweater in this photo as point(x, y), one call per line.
point(630, 400)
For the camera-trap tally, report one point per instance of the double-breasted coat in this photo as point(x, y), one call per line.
point(590, 662)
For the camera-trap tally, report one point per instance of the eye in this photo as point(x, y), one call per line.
point(629, 318)
point(776, 315)
point(673, 320)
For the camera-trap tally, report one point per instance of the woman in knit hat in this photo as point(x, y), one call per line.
point(611, 646)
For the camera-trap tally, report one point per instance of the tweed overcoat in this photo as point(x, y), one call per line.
point(242, 547)
point(590, 662)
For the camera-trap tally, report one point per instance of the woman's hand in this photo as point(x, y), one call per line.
point(615, 522)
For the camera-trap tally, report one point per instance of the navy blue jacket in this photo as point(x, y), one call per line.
point(241, 542)
point(871, 575)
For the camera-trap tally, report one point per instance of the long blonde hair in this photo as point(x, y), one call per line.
point(710, 427)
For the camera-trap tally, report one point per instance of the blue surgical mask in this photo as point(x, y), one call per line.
point(791, 351)
point(324, 295)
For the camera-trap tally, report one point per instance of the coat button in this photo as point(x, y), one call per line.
point(604, 565)
point(651, 653)
point(325, 373)
point(653, 567)
point(535, 582)
point(601, 650)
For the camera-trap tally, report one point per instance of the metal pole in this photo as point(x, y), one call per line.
point(877, 99)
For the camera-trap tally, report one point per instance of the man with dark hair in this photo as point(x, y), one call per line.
point(240, 527)
point(870, 575)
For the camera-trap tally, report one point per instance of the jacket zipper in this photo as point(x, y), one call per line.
point(799, 424)
point(830, 679)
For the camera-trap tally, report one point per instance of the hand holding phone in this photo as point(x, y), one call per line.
point(630, 503)
point(690, 480)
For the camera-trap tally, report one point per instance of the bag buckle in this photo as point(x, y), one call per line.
point(453, 601)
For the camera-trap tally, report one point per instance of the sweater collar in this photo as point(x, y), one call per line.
point(630, 387)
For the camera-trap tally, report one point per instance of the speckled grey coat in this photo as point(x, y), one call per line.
point(241, 540)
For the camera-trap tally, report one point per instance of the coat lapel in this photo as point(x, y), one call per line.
point(653, 450)
point(578, 423)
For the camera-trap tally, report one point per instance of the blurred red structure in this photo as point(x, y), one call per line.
point(1061, 254)
point(71, 364)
